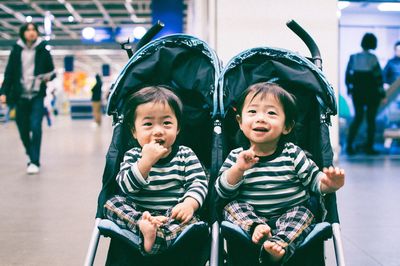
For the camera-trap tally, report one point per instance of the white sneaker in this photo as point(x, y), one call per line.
point(32, 169)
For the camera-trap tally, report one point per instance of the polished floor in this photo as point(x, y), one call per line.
point(47, 219)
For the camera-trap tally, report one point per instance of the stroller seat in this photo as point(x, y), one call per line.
point(190, 67)
point(316, 103)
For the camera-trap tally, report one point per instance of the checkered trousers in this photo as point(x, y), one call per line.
point(288, 230)
point(126, 214)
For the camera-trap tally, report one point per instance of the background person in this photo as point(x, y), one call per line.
point(391, 72)
point(29, 67)
point(96, 100)
point(365, 85)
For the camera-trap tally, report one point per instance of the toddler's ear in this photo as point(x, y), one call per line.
point(239, 119)
point(288, 129)
point(133, 131)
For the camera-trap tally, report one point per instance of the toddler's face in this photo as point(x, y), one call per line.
point(155, 121)
point(262, 120)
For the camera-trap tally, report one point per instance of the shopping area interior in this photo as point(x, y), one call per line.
point(48, 218)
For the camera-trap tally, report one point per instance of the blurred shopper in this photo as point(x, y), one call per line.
point(364, 83)
point(96, 100)
point(391, 72)
point(29, 67)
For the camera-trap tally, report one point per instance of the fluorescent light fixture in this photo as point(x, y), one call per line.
point(88, 33)
point(47, 23)
point(393, 7)
point(343, 4)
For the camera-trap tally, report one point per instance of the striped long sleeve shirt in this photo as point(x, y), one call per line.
point(169, 181)
point(275, 183)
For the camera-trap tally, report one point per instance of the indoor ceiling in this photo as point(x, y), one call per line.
point(68, 18)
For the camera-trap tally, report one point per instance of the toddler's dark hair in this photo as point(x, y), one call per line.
point(156, 94)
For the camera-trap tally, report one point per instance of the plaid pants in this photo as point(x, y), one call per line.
point(126, 214)
point(288, 230)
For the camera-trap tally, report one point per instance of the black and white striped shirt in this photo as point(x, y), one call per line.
point(275, 183)
point(169, 181)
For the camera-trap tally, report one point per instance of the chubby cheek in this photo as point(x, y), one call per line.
point(141, 137)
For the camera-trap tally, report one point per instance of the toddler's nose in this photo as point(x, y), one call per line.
point(261, 118)
point(158, 131)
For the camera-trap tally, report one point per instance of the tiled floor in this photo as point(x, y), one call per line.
point(47, 219)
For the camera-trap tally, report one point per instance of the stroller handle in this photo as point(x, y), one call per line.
point(156, 28)
point(308, 40)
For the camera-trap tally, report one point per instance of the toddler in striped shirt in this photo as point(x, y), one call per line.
point(162, 184)
point(269, 180)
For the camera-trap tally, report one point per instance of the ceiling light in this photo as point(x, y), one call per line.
point(138, 32)
point(343, 4)
point(88, 33)
point(389, 7)
point(28, 19)
point(71, 19)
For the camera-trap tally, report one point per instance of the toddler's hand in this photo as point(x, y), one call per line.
point(246, 160)
point(182, 212)
point(153, 151)
point(333, 179)
point(3, 99)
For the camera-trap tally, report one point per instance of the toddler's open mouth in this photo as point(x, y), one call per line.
point(160, 141)
point(260, 129)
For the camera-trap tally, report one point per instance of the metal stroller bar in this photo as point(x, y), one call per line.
point(317, 60)
point(337, 240)
point(156, 28)
point(308, 40)
point(94, 242)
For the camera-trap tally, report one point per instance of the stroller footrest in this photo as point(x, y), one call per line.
point(108, 228)
point(321, 231)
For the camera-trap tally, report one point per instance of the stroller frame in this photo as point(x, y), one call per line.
point(218, 116)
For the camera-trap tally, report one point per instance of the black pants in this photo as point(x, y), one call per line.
point(29, 115)
point(364, 104)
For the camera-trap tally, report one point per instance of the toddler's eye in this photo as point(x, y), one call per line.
point(272, 113)
point(251, 111)
point(167, 123)
point(148, 124)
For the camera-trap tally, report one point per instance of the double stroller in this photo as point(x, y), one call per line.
point(208, 93)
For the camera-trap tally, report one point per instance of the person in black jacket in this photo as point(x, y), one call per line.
point(29, 67)
point(365, 84)
point(96, 100)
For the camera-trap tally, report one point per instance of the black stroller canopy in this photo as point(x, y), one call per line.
point(286, 68)
point(185, 64)
point(179, 61)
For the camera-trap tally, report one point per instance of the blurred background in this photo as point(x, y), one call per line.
point(48, 218)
